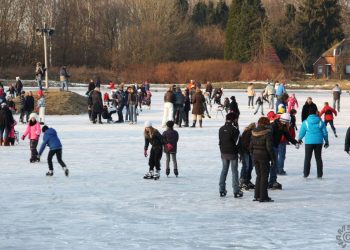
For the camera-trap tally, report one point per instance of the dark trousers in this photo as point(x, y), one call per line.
point(120, 113)
point(173, 157)
point(58, 153)
point(250, 101)
point(309, 148)
point(332, 125)
point(28, 112)
point(262, 175)
point(155, 157)
point(33, 150)
point(94, 116)
point(22, 114)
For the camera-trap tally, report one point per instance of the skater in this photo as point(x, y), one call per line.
point(251, 94)
point(270, 93)
point(315, 132)
point(51, 139)
point(197, 108)
point(171, 137)
point(39, 73)
point(247, 162)
point(6, 119)
point(18, 86)
point(179, 107)
point(280, 90)
point(336, 97)
point(293, 123)
point(217, 96)
point(121, 97)
point(292, 103)
point(260, 103)
point(33, 131)
point(234, 106)
point(97, 105)
point(262, 152)
point(328, 116)
point(22, 106)
point(153, 137)
point(226, 105)
point(187, 107)
point(169, 100)
point(228, 141)
point(132, 104)
point(347, 141)
point(64, 76)
point(41, 107)
point(29, 105)
point(306, 109)
point(12, 134)
point(209, 89)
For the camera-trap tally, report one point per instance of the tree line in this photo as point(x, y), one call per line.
point(116, 33)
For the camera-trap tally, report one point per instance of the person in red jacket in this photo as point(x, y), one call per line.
point(328, 112)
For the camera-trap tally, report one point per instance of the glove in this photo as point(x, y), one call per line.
point(297, 146)
point(145, 153)
point(326, 145)
point(300, 141)
point(23, 137)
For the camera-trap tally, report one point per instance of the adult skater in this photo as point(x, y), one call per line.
point(169, 100)
point(233, 106)
point(306, 108)
point(97, 105)
point(51, 139)
point(262, 151)
point(171, 138)
point(328, 116)
point(315, 132)
point(29, 104)
point(64, 76)
point(270, 93)
point(250, 94)
point(347, 141)
point(41, 107)
point(153, 137)
point(336, 97)
point(197, 107)
point(228, 141)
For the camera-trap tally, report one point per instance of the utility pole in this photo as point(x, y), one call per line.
point(45, 32)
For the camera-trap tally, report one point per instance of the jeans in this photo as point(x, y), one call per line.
point(224, 171)
point(281, 156)
point(336, 103)
point(309, 148)
point(40, 82)
point(251, 101)
point(179, 110)
point(132, 113)
point(120, 113)
point(258, 107)
point(271, 101)
point(173, 158)
point(247, 167)
point(58, 153)
point(64, 84)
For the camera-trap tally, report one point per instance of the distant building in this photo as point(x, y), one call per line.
point(335, 62)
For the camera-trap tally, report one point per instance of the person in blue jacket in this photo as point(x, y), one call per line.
point(315, 132)
point(51, 139)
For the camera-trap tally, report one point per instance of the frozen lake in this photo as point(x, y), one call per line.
point(106, 204)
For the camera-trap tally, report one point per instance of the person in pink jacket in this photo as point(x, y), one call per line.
point(292, 103)
point(33, 131)
point(12, 134)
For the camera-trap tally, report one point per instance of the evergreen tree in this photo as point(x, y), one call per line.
point(210, 13)
point(290, 13)
point(221, 14)
point(182, 5)
point(199, 14)
point(319, 27)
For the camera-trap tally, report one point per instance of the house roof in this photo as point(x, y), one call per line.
point(329, 52)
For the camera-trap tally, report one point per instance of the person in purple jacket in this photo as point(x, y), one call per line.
point(51, 139)
point(171, 137)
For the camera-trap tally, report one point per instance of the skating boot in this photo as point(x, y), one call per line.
point(266, 200)
point(223, 193)
point(167, 172)
point(176, 172)
point(275, 186)
point(251, 185)
point(156, 175)
point(149, 175)
point(50, 173)
point(66, 171)
point(239, 194)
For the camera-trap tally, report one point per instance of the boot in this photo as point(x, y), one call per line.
point(176, 172)
point(200, 123)
point(167, 171)
point(194, 124)
point(66, 171)
point(50, 173)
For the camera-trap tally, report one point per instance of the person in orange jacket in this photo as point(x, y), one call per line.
point(328, 112)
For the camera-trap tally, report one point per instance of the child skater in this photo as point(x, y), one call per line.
point(33, 131)
point(153, 137)
point(171, 138)
point(51, 139)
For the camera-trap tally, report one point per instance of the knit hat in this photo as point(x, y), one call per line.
point(32, 115)
point(40, 93)
point(148, 124)
point(281, 109)
point(271, 115)
point(285, 117)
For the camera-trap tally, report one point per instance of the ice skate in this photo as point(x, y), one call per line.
point(66, 171)
point(149, 175)
point(156, 175)
point(275, 186)
point(268, 199)
point(50, 173)
point(238, 195)
point(176, 172)
point(167, 172)
point(223, 193)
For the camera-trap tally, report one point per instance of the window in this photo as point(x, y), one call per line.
point(347, 69)
point(320, 69)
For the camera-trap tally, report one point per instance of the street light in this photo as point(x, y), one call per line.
point(46, 32)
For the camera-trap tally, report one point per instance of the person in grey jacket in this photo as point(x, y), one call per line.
point(64, 77)
point(270, 92)
point(336, 97)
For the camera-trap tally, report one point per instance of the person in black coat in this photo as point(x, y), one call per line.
point(347, 141)
point(91, 86)
point(262, 152)
point(29, 104)
point(306, 108)
point(4, 131)
point(22, 106)
point(171, 137)
point(228, 141)
point(97, 105)
point(234, 106)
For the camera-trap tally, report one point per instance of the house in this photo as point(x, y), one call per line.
point(335, 62)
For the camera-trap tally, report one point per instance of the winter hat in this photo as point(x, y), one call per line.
point(285, 117)
point(233, 98)
point(271, 115)
point(44, 128)
point(148, 124)
point(170, 124)
point(32, 115)
point(281, 109)
point(40, 93)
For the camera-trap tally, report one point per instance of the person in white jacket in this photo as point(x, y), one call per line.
point(251, 94)
point(41, 106)
point(270, 92)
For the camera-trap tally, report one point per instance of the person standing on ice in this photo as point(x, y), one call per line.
point(336, 97)
point(292, 103)
point(328, 116)
point(260, 104)
point(51, 139)
point(33, 131)
point(153, 137)
point(306, 108)
point(315, 132)
point(171, 138)
point(168, 106)
point(228, 142)
point(197, 107)
point(250, 94)
point(262, 152)
point(347, 141)
point(270, 93)
point(41, 106)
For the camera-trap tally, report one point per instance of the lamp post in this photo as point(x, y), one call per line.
point(45, 32)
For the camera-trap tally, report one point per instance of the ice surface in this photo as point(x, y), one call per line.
point(106, 204)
